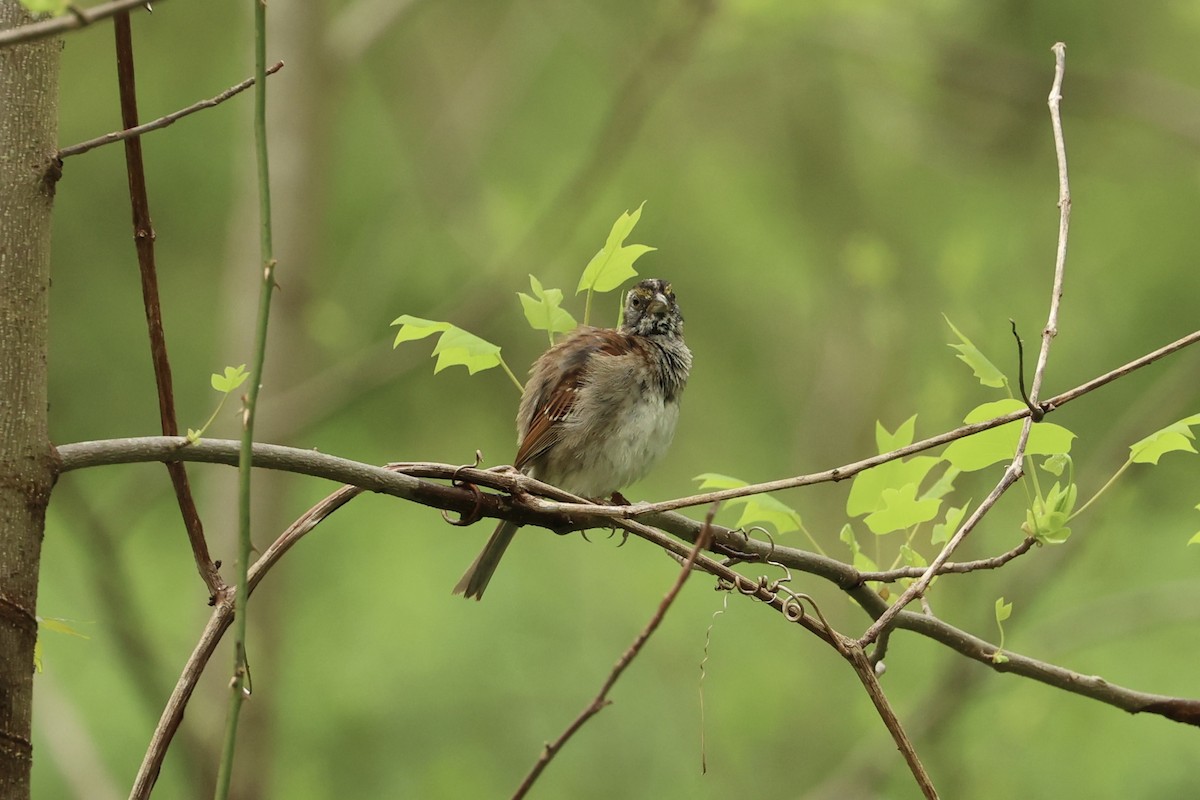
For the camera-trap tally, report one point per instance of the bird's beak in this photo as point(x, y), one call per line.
point(659, 305)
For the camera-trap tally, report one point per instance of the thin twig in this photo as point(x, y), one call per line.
point(865, 671)
point(601, 699)
point(239, 684)
point(1015, 470)
point(952, 567)
point(164, 121)
point(143, 237)
point(77, 18)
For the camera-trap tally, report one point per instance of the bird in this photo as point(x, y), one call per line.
point(599, 409)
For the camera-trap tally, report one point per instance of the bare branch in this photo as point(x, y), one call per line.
point(961, 567)
point(164, 121)
point(1034, 412)
point(601, 699)
point(77, 18)
point(865, 671)
point(143, 237)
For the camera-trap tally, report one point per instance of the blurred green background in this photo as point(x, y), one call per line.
point(822, 181)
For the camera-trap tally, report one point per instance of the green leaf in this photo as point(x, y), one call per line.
point(1195, 539)
point(1003, 609)
point(911, 557)
point(231, 380)
point(613, 265)
point(1177, 436)
point(412, 328)
point(945, 529)
point(59, 626)
point(901, 510)
point(1047, 519)
point(54, 7)
point(757, 509)
point(1056, 463)
point(544, 311)
point(943, 486)
point(903, 437)
point(974, 453)
point(987, 372)
point(861, 561)
point(866, 490)
point(455, 346)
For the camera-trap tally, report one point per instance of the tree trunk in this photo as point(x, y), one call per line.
point(28, 141)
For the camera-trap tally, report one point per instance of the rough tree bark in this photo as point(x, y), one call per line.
point(28, 140)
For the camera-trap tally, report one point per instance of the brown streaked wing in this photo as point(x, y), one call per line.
point(577, 353)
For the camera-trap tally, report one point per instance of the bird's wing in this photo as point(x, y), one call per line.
point(557, 377)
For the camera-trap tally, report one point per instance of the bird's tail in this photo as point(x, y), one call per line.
point(476, 578)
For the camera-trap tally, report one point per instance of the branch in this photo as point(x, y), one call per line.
point(161, 122)
point(464, 501)
point(143, 237)
point(849, 470)
point(76, 18)
point(1035, 413)
point(865, 671)
point(239, 688)
point(601, 699)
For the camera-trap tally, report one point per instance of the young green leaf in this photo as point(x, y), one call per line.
point(457, 347)
point(231, 380)
point(544, 309)
point(901, 510)
point(860, 560)
point(1056, 464)
point(454, 347)
point(613, 265)
point(757, 509)
point(1003, 612)
point(943, 485)
point(911, 557)
point(866, 490)
point(989, 447)
point(59, 626)
point(1177, 436)
point(1047, 519)
point(1003, 609)
point(942, 531)
point(987, 372)
point(1195, 539)
point(412, 328)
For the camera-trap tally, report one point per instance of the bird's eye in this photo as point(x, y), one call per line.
point(635, 301)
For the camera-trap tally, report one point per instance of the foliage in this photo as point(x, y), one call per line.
point(607, 270)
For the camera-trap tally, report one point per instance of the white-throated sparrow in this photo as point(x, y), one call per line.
point(598, 410)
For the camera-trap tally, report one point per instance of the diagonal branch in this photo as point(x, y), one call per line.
point(75, 18)
point(1016, 469)
point(163, 121)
